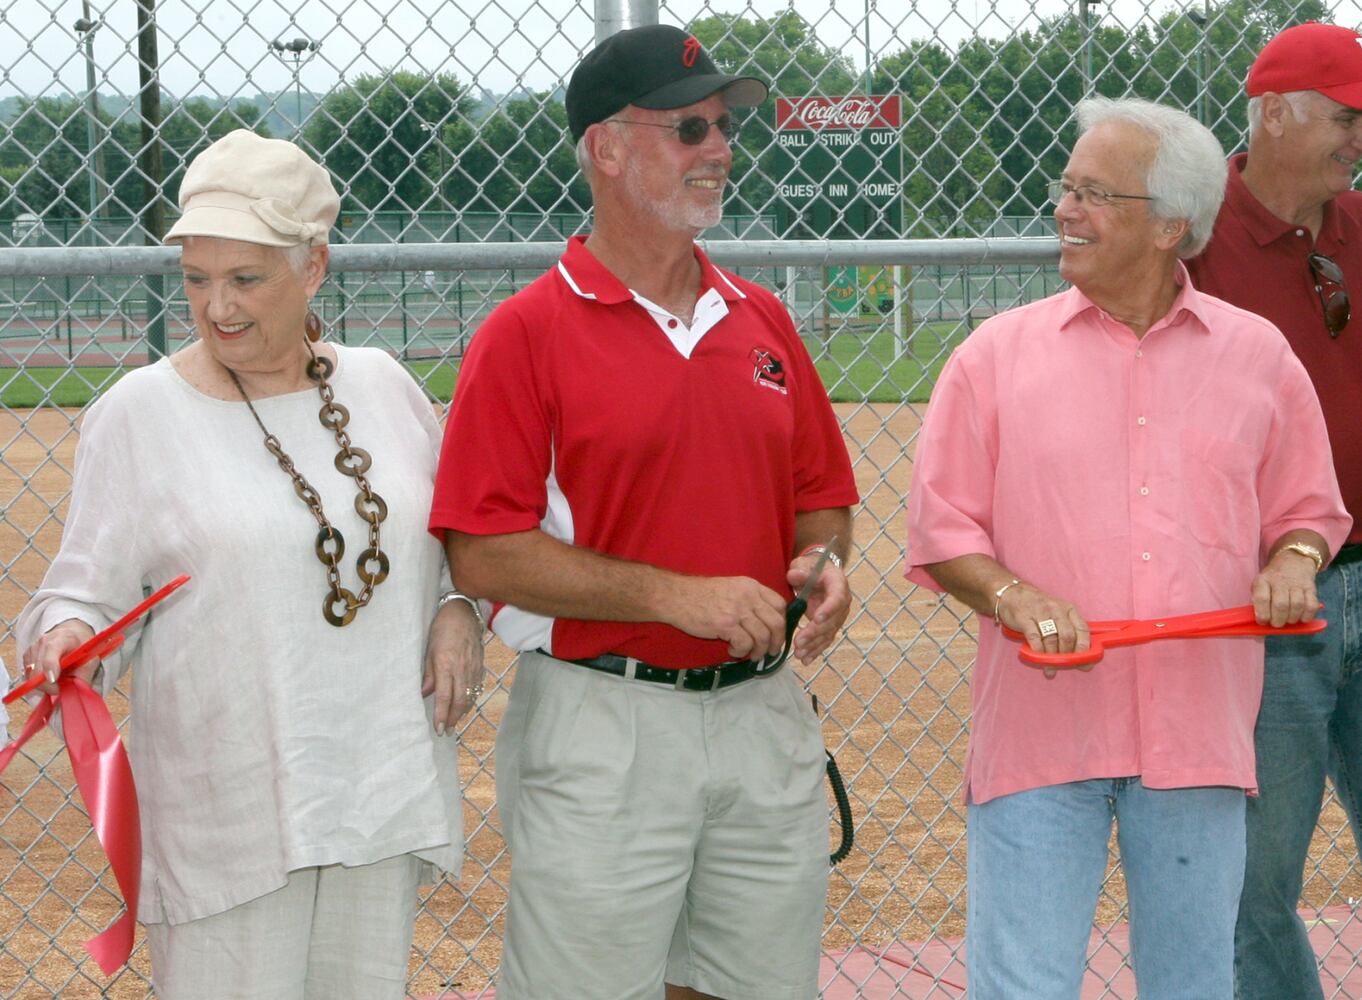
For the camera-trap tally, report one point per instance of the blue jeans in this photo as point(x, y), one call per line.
point(1036, 861)
point(1310, 724)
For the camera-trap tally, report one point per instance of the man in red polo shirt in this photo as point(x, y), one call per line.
point(1286, 244)
point(640, 466)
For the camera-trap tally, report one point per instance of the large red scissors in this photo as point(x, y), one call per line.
point(100, 644)
point(1133, 631)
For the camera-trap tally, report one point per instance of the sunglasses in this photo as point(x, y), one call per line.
point(694, 130)
point(1337, 307)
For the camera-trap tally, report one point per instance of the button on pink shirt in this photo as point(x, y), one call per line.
point(1135, 478)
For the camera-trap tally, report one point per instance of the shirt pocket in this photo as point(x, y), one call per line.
point(1219, 491)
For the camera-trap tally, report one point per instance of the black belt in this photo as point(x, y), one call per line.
point(720, 675)
point(1348, 554)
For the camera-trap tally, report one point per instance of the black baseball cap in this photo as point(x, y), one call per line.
point(654, 66)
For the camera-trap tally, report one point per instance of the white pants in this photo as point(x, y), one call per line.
point(660, 835)
point(331, 933)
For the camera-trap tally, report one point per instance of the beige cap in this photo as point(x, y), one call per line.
point(267, 191)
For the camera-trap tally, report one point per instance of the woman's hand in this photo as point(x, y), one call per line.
point(44, 656)
point(454, 668)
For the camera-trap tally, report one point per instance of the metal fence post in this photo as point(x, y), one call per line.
point(153, 170)
point(616, 15)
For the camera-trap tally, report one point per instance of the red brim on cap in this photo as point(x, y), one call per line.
point(1348, 94)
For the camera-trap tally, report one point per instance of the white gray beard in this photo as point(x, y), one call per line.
point(674, 211)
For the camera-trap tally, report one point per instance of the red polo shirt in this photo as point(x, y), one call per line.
point(1259, 263)
point(597, 417)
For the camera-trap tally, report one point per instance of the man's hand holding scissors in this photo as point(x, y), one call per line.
point(1284, 592)
point(827, 602)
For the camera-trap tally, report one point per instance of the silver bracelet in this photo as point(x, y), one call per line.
point(820, 548)
point(454, 595)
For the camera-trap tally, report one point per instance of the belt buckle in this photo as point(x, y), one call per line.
point(682, 675)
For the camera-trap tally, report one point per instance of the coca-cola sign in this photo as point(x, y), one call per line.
point(855, 112)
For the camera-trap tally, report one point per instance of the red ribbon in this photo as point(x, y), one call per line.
point(104, 778)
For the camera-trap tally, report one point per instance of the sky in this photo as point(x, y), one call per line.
point(222, 47)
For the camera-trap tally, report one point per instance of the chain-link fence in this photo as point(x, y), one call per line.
point(442, 124)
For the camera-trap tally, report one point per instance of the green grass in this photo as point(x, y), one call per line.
point(23, 388)
point(856, 366)
point(438, 377)
point(862, 367)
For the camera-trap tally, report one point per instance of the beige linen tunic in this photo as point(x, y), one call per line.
point(263, 739)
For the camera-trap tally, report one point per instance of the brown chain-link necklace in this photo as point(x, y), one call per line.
point(350, 461)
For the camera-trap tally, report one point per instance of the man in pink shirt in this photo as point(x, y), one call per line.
point(1128, 448)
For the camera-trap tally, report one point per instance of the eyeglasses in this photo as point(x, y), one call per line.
point(694, 130)
point(1337, 308)
point(1094, 196)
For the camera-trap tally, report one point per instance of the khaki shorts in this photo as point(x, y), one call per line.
point(660, 835)
point(330, 933)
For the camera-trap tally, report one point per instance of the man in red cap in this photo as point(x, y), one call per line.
point(1286, 245)
point(640, 467)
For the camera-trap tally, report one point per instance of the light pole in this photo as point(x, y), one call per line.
point(436, 134)
point(1201, 20)
point(868, 78)
point(152, 166)
point(616, 15)
point(296, 47)
point(1085, 15)
point(86, 27)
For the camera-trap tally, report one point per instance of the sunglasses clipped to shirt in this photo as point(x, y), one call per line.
point(693, 130)
point(1337, 308)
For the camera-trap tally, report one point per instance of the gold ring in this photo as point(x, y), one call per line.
point(1048, 628)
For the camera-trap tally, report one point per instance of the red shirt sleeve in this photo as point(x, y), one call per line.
point(497, 450)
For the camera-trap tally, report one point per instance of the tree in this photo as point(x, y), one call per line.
point(988, 125)
point(42, 157)
point(1233, 35)
point(379, 137)
point(45, 158)
point(190, 128)
point(518, 159)
point(783, 50)
point(951, 171)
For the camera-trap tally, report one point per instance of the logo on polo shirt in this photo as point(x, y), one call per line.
point(768, 371)
point(690, 51)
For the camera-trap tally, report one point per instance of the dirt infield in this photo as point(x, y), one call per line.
point(894, 691)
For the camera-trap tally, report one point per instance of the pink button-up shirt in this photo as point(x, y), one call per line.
point(1135, 478)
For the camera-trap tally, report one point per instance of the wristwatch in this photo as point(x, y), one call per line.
point(1309, 551)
